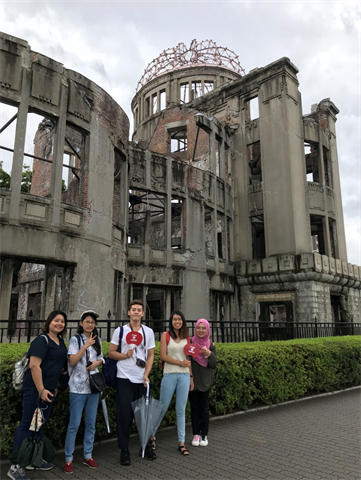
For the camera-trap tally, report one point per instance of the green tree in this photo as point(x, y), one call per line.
point(26, 179)
point(5, 178)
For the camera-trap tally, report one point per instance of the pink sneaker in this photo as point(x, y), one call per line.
point(90, 462)
point(68, 467)
point(196, 440)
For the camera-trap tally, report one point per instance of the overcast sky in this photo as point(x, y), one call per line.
point(112, 42)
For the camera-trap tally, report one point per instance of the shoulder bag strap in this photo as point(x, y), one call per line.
point(121, 331)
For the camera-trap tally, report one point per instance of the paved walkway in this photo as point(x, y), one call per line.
point(317, 439)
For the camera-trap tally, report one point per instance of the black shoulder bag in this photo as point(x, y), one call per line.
point(97, 380)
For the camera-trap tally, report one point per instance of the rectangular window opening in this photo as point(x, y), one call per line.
point(252, 108)
point(208, 86)
point(258, 237)
point(217, 147)
point(8, 118)
point(156, 213)
point(74, 148)
point(184, 92)
point(221, 247)
point(312, 161)
point(147, 107)
point(197, 89)
point(137, 217)
point(328, 168)
point(154, 103)
point(39, 145)
point(336, 308)
point(254, 162)
point(177, 205)
point(178, 139)
point(317, 234)
point(163, 99)
point(228, 239)
point(333, 237)
point(29, 295)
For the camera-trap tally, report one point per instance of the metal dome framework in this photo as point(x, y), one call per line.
point(202, 53)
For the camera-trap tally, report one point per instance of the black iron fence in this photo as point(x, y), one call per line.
point(19, 331)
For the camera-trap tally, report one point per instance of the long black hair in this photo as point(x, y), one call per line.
point(96, 345)
point(183, 332)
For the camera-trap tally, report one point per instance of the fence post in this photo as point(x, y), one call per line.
point(109, 316)
point(316, 330)
point(29, 330)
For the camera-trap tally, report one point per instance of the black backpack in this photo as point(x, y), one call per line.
point(110, 365)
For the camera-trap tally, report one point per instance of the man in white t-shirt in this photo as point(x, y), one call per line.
point(133, 368)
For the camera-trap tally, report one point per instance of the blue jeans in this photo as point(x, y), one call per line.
point(178, 382)
point(79, 402)
point(30, 402)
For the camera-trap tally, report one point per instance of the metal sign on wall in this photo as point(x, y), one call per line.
point(274, 297)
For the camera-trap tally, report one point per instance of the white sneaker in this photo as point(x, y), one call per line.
point(196, 440)
point(204, 441)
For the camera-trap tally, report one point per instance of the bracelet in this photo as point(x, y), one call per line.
point(180, 363)
point(41, 392)
point(191, 376)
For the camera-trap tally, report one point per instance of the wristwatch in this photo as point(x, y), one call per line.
point(191, 376)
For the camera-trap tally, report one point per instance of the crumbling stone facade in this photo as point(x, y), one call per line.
point(212, 209)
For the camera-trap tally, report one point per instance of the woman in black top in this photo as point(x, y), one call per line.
point(47, 355)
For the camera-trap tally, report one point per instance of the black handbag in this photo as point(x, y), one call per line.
point(97, 382)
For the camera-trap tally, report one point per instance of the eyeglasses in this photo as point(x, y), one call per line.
point(89, 323)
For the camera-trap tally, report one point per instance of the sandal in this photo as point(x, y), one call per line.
point(183, 450)
point(151, 443)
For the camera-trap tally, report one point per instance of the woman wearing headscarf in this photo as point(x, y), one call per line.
point(203, 376)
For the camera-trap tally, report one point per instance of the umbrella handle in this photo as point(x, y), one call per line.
point(147, 395)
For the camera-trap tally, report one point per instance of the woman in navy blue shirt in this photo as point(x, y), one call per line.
point(47, 355)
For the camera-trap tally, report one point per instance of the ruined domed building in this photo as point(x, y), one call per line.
point(226, 204)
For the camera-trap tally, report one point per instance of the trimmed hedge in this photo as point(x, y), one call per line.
point(247, 375)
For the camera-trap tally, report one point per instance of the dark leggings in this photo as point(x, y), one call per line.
point(30, 402)
point(199, 412)
point(127, 392)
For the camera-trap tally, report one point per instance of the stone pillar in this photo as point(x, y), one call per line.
point(7, 269)
point(148, 173)
point(212, 152)
point(240, 173)
point(322, 180)
point(57, 166)
point(341, 251)
point(49, 290)
point(168, 213)
point(168, 299)
point(18, 158)
point(287, 230)
point(222, 160)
